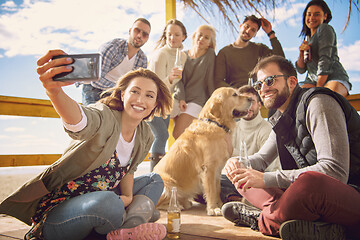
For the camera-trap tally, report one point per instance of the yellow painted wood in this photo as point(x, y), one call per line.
point(354, 100)
point(170, 9)
point(42, 108)
point(28, 160)
point(29, 107)
point(171, 139)
point(32, 159)
point(264, 112)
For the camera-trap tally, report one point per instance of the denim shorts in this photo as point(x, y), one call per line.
point(192, 109)
point(345, 83)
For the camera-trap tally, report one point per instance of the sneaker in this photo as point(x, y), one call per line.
point(155, 216)
point(241, 214)
point(301, 229)
point(154, 231)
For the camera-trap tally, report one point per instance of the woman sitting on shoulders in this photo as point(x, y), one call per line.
point(323, 67)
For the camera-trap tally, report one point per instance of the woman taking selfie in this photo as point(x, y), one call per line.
point(318, 56)
point(92, 188)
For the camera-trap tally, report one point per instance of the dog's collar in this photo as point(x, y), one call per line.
point(218, 124)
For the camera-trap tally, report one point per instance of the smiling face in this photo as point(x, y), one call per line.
point(139, 34)
point(315, 16)
point(174, 36)
point(276, 96)
point(248, 30)
point(139, 98)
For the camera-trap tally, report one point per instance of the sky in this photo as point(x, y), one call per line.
point(29, 28)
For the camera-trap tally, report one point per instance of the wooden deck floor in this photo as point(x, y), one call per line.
point(195, 225)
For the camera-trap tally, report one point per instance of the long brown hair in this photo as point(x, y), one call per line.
point(162, 40)
point(163, 99)
point(305, 31)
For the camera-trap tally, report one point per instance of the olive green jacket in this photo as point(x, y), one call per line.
point(89, 149)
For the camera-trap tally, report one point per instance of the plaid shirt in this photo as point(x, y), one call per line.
point(112, 54)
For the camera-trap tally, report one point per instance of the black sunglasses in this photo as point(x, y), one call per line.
point(269, 81)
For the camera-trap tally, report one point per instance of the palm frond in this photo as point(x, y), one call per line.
point(230, 8)
point(356, 5)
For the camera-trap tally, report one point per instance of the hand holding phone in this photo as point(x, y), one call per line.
point(85, 68)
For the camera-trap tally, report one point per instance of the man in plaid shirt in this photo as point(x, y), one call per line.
point(119, 56)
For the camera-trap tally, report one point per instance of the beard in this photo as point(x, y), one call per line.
point(134, 44)
point(279, 100)
point(245, 37)
point(251, 115)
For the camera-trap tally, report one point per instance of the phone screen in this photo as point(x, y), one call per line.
point(86, 68)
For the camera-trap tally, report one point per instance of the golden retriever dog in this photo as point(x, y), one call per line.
point(194, 162)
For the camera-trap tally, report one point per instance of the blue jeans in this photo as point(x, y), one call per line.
point(90, 94)
point(159, 127)
point(227, 189)
point(102, 211)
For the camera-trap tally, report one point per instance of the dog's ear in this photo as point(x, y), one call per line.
point(216, 107)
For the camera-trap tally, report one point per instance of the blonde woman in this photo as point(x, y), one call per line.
point(162, 63)
point(197, 83)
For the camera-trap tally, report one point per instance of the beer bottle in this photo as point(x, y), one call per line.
point(173, 224)
point(178, 63)
point(307, 53)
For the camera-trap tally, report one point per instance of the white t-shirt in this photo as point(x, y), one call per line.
point(124, 67)
point(123, 148)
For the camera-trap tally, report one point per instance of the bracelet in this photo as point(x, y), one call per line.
point(271, 32)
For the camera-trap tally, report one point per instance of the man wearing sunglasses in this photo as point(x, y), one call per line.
point(235, 61)
point(316, 134)
point(118, 57)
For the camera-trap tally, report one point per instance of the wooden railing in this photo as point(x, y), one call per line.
point(354, 100)
point(31, 107)
point(17, 106)
point(27, 107)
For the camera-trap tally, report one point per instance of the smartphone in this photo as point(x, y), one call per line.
point(85, 68)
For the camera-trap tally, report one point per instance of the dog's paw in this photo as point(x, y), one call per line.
point(187, 204)
point(184, 204)
point(214, 212)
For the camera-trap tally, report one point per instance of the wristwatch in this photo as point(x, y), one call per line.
point(271, 32)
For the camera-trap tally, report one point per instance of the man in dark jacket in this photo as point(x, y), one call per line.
point(316, 134)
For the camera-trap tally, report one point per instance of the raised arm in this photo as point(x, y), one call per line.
point(275, 43)
point(66, 107)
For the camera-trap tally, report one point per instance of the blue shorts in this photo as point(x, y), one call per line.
point(345, 83)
